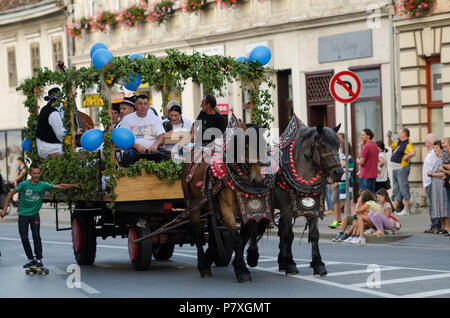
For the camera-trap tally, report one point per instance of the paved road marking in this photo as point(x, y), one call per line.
point(361, 271)
point(359, 287)
point(86, 287)
point(405, 280)
point(428, 294)
point(185, 255)
point(330, 283)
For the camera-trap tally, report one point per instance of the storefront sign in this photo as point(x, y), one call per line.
point(223, 108)
point(212, 50)
point(371, 83)
point(345, 46)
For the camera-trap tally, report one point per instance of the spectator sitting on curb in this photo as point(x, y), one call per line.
point(366, 203)
point(383, 220)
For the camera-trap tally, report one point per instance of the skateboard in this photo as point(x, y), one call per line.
point(37, 270)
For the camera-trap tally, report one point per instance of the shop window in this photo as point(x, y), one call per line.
point(35, 57)
point(367, 110)
point(10, 150)
point(57, 51)
point(434, 97)
point(12, 67)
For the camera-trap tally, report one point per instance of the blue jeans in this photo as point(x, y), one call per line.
point(328, 197)
point(367, 184)
point(401, 185)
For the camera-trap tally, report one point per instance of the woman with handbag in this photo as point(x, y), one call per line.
point(440, 207)
point(382, 181)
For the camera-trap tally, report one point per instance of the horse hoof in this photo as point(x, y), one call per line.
point(290, 269)
point(206, 273)
point(252, 259)
point(244, 278)
point(320, 270)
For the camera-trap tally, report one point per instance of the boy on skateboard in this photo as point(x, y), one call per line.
point(31, 194)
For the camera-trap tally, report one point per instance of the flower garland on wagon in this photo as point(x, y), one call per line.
point(166, 73)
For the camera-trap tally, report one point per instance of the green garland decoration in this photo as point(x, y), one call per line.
point(165, 74)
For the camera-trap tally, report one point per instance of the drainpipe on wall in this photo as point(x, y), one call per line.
point(70, 41)
point(391, 58)
point(398, 108)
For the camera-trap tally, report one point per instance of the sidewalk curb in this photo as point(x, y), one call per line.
point(383, 239)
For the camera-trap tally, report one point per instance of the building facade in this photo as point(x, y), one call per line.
point(31, 35)
point(310, 41)
point(423, 77)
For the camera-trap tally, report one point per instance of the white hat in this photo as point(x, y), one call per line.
point(172, 103)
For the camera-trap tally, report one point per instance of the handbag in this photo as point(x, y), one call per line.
point(388, 183)
point(397, 223)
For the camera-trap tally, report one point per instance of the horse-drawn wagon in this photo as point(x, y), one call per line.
point(143, 202)
point(154, 204)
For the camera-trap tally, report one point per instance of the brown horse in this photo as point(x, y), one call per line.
point(225, 202)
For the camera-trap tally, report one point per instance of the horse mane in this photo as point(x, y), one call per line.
point(309, 134)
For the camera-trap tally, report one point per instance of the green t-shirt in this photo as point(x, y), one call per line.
point(31, 196)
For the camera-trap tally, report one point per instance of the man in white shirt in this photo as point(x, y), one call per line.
point(146, 127)
point(428, 163)
point(50, 129)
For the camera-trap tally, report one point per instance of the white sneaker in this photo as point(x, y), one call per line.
point(403, 212)
point(349, 239)
point(359, 240)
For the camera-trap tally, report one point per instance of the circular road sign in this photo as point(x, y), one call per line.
point(345, 87)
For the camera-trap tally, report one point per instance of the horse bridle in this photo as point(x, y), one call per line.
point(324, 155)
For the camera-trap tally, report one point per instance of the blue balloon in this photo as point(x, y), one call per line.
point(136, 56)
point(101, 57)
point(92, 139)
point(96, 47)
point(123, 138)
point(27, 144)
point(261, 54)
point(135, 82)
point(241, 59)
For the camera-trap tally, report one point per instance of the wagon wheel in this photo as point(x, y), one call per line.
point(162, 252)
point(140, 253)
point(213, 253)
point(84, 238)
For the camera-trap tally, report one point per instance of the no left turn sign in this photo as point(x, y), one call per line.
point(345, 87)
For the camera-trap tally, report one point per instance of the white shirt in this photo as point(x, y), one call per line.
point(428, 163)
point(185, 125)
point(45, 148)
point(382, 171)
point(145, 129)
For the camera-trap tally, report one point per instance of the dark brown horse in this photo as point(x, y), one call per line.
point(225, 205)
point(309, 155)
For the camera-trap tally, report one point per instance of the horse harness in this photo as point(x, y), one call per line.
point(307, 196)
point(255, 202)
